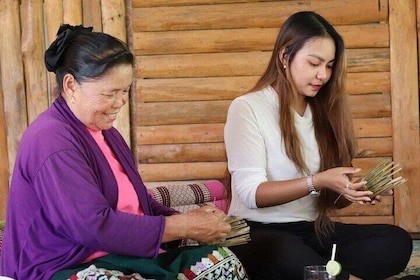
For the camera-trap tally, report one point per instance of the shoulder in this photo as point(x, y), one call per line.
point(264, 100)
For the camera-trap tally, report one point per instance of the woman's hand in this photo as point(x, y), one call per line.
point(207, 224)
point(337, 180)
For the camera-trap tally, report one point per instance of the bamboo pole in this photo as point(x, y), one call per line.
point(53, 11)
point(33, 58)
point(12, 77)
point(92, 14)
point(72, 12)
point(4, 163)
point(114, 23)
point(405, 110)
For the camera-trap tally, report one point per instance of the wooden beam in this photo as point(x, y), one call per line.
point(405, 108)
point(114, 23)
point(236, 15)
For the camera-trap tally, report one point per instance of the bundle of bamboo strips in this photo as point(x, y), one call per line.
point(238, 235)
point(381, 178)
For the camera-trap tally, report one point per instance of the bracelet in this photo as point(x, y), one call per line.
point(311, 187)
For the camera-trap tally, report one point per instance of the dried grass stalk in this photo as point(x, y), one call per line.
point(382, 178)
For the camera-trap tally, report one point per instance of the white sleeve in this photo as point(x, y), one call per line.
point(245, 150)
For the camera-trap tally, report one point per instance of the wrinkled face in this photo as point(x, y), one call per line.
point(312, 65)
point(97, 102)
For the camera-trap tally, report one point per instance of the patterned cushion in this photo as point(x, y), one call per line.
point(176, 195)
point(186, 197)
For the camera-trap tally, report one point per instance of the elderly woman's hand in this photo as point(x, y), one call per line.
point(207, 224)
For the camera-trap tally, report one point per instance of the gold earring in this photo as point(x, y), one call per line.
point(73, 100)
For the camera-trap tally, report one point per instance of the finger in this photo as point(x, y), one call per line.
point(351, 170)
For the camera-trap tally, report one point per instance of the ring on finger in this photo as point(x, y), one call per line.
point(348, 185)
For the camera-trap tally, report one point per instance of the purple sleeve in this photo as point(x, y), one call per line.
point(74, 203)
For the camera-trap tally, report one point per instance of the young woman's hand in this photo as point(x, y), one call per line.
point(338, 181)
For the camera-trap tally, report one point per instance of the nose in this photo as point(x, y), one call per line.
point(120, 99)
point(322, 74)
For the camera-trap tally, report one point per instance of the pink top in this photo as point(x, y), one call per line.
point(127, 196)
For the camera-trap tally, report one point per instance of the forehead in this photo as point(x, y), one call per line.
point(120, 76)
point(319, 47)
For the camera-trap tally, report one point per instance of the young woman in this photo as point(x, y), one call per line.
point(290, 147)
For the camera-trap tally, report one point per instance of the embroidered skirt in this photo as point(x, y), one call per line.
point(186, 263)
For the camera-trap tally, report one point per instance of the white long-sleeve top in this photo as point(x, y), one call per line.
point(256, 154)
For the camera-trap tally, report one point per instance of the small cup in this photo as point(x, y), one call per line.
point(316, 272)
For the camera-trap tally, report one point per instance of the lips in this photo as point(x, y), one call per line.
point(316, 87)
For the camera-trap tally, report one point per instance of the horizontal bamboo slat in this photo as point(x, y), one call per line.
point(182, 171)
point(227, 88)
point(196, 152)
point(245, 39)
point(163, 113)
point(174, 171)
point(213, 132)
point(191, 133)
point(236, 15)
point(373, 127)
point(238, 64)
point(215, 151)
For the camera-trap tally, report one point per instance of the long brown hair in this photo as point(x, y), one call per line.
point(331, 116)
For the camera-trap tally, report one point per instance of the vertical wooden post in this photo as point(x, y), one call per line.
point(12, 77)
point(405, 110)
point(4, 163)
point(53, 11)
point(33, 58)
point(114, 23)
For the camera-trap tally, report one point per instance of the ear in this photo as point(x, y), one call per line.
point(69, 85)
point(283, 56)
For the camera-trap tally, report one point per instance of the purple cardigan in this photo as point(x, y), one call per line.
point(63, 197)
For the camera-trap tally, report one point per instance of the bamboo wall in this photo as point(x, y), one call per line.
point(195, 56)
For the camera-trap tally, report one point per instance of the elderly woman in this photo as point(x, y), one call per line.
point(76, 197)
